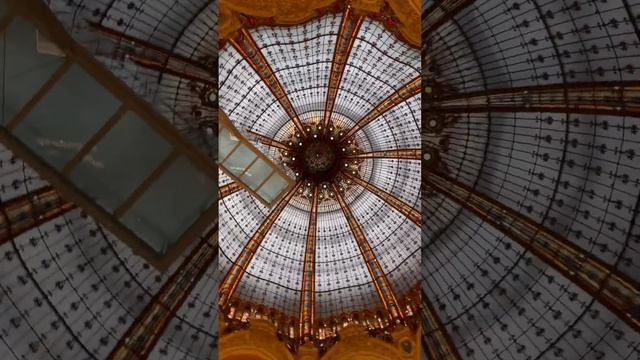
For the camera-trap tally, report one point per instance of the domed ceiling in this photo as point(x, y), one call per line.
point(531, 136)
point(332, 158)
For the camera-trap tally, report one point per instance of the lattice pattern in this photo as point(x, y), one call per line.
point(571, 173)
point(301, 58)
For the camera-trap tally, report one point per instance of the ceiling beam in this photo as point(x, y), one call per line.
point(156, 58)
point(307, 294)
point(171, 69)
point(378, 277)
point(403, 208)
point(236, 140)
point(349, 28)
point(28, 211)
point(435, 337)
point(146, 184)
point(612, 288)
point(145, 331)
point(407, 91)
point(229, 189)
point(398, 154)
point(600, 98)
point(231, 280)
point(263, 139)
point(440, 13)
point(251, 53)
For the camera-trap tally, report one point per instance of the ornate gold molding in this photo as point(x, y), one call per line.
point(356, 344)
point(285, 12)
point(240, 316)
point(401, 17)
point(258, 341)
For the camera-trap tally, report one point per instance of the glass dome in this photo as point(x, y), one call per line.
point(302, 59)
point(531, 178)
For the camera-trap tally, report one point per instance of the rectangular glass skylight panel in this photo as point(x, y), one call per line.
point(257, 174)
point(239, 160)
point(171, 205)
point(247, 165)
point(53, 130)
point(120, 162)
point(24, 69)
point(226, 143)
point(273, 188)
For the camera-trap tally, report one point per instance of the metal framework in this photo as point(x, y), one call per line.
point(307, 294)
point(229, 189)
point(231, 280)
point(157, 58)
point(436, 340)
point(440, 12)
point(405, 209)
point(378, 277)
point(263, 139)
point(247, 47)
point(400, 154)
point(607, 98)
point(604, 282)
point(143, 334)
point(349, 28)
point(228, 158)
point(407, 91)
point(30, 210)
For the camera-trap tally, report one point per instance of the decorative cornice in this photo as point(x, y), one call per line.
point(240, 315)
point(400, 17)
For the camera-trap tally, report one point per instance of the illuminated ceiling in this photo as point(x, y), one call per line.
point(301, 58)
